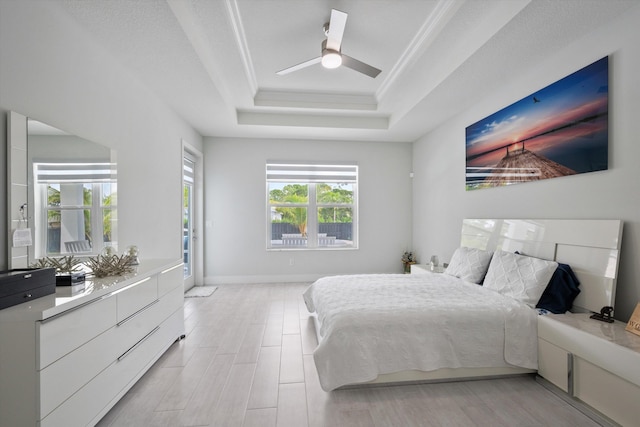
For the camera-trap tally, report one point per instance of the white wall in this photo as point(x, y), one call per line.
point(235, 210)
point(441, 202)
point(52, 71)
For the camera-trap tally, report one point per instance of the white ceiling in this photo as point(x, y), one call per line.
point(214, 61)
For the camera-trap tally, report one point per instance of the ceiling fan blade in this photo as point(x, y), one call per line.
point(336, 29)
point(300, 66)
point(359, 66)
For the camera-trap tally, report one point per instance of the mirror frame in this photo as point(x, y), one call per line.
point(17, 187)
point(19, 196)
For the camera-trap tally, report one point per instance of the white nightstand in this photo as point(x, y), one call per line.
point(594, 362)
point(424, 268)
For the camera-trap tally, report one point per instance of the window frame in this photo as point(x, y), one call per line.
point(97, 208)
point(312, 205)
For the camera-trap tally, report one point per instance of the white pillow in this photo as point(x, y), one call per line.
point(469, 264)
point(520, 277)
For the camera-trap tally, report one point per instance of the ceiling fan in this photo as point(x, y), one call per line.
point(331, 56)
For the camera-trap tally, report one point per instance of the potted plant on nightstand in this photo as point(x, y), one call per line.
point(408, 258)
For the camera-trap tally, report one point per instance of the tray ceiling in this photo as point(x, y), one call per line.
point(215, 61)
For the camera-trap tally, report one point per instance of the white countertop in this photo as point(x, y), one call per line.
point(612, 332)
point(68, 297)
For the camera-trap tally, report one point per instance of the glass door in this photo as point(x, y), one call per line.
point(188, 231)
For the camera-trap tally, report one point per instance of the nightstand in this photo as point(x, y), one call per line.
point(593, 362)
point(424, 268)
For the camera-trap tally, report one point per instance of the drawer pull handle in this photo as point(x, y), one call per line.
point(172, 268)
point(146, 307)
point(130, 286)
point(136, 345)
point(27, 295)
point(77, 307)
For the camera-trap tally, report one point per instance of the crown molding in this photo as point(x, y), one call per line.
point(315, 100)
point(435, 22)
point(342, 121)
point(241, 42)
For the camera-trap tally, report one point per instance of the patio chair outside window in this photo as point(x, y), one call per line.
point(78, 246)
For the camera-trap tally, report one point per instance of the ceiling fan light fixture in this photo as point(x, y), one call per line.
point(331, 59)
point(331, 56)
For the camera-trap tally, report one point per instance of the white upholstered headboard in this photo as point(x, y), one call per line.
point(590, 247)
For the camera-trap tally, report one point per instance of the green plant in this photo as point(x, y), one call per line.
point(409, 258)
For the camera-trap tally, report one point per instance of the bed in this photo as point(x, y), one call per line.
point(390, 328)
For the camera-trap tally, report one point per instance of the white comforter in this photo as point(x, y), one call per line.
point(379, 324)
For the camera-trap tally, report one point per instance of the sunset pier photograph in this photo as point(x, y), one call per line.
point(560, 130)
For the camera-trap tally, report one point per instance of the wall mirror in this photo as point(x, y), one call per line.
point(70, 206)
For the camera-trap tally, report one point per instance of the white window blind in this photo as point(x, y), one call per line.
point(310, 172)
point(75, 172)
point(188, 171)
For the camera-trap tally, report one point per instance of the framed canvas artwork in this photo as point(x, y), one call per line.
point(557, 131)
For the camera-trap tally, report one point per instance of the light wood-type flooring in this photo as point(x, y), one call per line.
point(247, 361)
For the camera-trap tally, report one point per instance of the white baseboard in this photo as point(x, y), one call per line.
point(288, 278)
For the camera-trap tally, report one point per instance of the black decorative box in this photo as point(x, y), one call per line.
point(23, 285)
point(75, 278)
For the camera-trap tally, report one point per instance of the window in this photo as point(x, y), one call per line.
point(76, 207)
point(312, 205)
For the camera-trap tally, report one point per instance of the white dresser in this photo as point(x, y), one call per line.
point(67, 358)
point(595, 362)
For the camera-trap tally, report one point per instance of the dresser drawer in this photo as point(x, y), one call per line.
point(170, 278)
point(136, 296)
point(135, 327)
point(613, 396)
point(553, 364)
point(108, 386)
point(64, 333)
point(64, 377)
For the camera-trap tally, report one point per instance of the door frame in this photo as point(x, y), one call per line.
point(197, 244)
